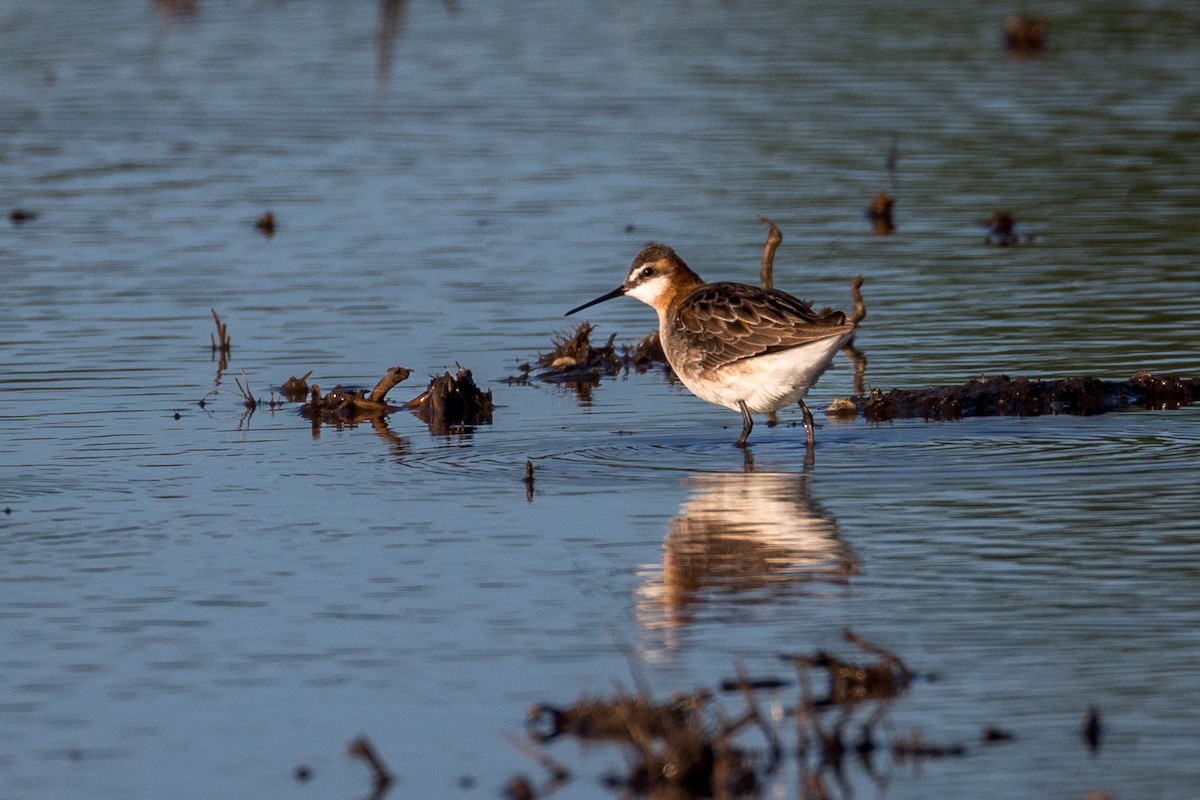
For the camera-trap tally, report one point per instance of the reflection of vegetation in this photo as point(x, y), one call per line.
point(392, 15)
point(177, 9)
point(391, 23)
point(688, 746)
point(221, 345)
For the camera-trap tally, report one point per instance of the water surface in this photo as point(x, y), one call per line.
point(200, 600)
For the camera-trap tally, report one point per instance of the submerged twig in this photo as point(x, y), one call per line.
point(860, 307)
point(529, 480)
point(1092, 730)
point(220, 342)
point(244, 390)
point(361, 748)
point(774, 237)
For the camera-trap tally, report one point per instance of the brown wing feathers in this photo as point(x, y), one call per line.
point(730, 322)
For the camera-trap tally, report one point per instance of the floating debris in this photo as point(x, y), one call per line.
point(1024, 36)
point(295, 389)
point(1092, 730)
point(575, 363)
point(842, 408)
point(343, 405)
point(452, 403)
point(529, 480)
point(1024, 397)
point(992, 734)
point(266, 224)
point(1002, 231)
point(19, 216)
point(880, 214)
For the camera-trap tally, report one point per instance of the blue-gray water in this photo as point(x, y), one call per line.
point(193, 607)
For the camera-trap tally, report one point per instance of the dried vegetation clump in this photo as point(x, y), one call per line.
point(574, 362)
point(342, 405)
point(574, 358)
point(452, 403)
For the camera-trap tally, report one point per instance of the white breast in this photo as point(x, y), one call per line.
point(770, 382)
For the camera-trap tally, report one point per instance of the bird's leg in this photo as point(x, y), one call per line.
point(747, 424)
point(810, 437)
point(772, 420)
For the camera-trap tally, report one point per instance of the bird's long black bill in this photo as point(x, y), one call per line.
point(617, 292)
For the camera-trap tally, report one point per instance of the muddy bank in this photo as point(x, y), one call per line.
point(1024, 397)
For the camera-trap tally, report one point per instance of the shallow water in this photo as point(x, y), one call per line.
point(203, 603)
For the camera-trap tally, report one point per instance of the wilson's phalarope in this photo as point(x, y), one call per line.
point(739, 346)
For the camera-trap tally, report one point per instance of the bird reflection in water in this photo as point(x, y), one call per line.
point(756, 536)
